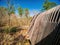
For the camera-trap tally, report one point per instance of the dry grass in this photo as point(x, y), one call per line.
point(17, 38)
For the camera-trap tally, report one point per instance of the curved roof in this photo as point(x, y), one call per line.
point(43, 24)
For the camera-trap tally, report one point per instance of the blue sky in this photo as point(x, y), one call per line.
point(34, 6)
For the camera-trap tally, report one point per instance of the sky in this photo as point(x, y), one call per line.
point(34, 6)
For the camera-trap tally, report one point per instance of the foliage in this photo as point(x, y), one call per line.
point(3, 16)
point(20, 11)
point(12, 10)
point(26, 12)
point(10, 7)
point(6, 30)
point(13, 30)
point(47, 5)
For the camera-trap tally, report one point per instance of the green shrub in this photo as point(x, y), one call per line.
point(13, 30)
point(5, 30)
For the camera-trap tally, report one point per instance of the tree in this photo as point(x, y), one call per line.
point(10, 7)
point(11, 10)
point(26, 12)
point(47, 5)
point(3, 16)
point(20, 11)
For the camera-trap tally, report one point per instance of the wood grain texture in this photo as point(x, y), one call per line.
point(43, 26)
